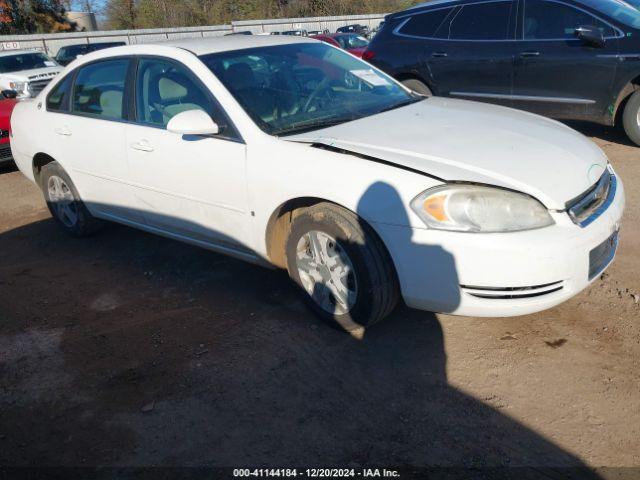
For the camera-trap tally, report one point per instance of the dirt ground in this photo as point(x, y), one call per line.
point(132, 350)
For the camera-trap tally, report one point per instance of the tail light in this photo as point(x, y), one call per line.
point(368, 55)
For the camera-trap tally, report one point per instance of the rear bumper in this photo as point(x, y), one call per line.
point(496, 275)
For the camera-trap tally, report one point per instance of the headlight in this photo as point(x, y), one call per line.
point(20, 87)
point(473, 208)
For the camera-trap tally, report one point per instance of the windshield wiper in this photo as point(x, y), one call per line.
point(310, 126)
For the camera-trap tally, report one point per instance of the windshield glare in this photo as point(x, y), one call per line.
point(289, 89)
point(24, 61)
point(624, 11)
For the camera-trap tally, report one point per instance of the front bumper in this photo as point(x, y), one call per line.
point(503, 274)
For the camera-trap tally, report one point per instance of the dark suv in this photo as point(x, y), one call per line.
point(567, 59)
point(68, 54)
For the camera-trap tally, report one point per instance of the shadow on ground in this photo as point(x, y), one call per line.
point(130, 349)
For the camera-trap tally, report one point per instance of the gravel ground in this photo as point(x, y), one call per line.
point(132, 350)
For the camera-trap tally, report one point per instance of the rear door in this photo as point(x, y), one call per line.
point(556, 74)
point(471, 52)
point(87, 132)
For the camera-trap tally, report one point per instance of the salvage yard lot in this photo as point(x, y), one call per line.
point(130, 349)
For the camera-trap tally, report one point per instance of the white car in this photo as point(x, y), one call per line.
point(293, 153)
point(26, 71)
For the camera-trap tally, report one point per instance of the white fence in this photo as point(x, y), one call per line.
point(52, 42)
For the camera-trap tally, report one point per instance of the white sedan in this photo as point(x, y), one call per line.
point(293, 153)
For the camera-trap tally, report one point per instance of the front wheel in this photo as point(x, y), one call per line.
point(341, 266)
point(65, 204)
point(631, 118)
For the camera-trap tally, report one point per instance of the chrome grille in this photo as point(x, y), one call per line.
point(5, 153)
point(513, 293)
point(591, 204)
point(36, 86)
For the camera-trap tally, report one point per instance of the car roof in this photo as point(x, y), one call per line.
point(430, 3)
point(204, 46)
point(9, 53)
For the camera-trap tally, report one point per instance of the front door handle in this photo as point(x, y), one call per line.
point(142, 146)
point(439, 54)
point(530, 53)
point(65, 132)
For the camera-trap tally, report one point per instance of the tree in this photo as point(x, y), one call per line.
point(122, 14)
point(33, 16)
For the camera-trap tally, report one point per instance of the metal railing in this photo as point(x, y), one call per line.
point(52, 42)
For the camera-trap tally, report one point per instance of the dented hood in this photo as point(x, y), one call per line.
point(457, 140)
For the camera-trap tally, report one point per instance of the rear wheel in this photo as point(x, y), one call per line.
point(341, 266)
point(631, 118)
point(64, 202)
point(417, 86)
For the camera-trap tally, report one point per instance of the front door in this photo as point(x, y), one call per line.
point(185, 185)
point(556, 73)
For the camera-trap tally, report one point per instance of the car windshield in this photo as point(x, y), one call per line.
point(624, 11)
point(24, 61)
point(299, 87)
point(352, 41)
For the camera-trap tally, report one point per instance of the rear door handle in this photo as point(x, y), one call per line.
point(439, 54)
point(142, 146)
point(530, 53)
point(65, 132)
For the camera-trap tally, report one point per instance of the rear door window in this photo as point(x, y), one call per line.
point(479, 21)
point(99, 89)
point(425, 24)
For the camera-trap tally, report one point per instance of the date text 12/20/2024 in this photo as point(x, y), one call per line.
point(316, 473)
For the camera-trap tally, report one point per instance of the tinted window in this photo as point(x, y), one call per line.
point(24, 61)
point(627, 12)
point(551, 20)
point(425, 24)
point(67, 54)
point(58, 99)
point(99, 89)
point(482, 21)
point(165, 89)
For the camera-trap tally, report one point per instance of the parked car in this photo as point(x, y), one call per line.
point(290, 152)
point(26, 71)
point(356, 28)
point(569, 59)
point(351, 42)
point(69, 53)
point(6, 107)
point(296, 33)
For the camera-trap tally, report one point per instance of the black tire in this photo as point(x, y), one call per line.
point(630, 119)
point(81, 224)
point(374, 275)
point(418, 87)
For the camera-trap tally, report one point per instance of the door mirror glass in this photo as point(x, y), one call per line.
point(193, 122)
point(591, 36)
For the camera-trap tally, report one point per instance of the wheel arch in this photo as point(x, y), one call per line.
point(279, 225)
point(40, 159)
point(629, 89)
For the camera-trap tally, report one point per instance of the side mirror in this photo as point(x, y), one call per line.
point(9, 94)
point(591, 36)
point(193, 122)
